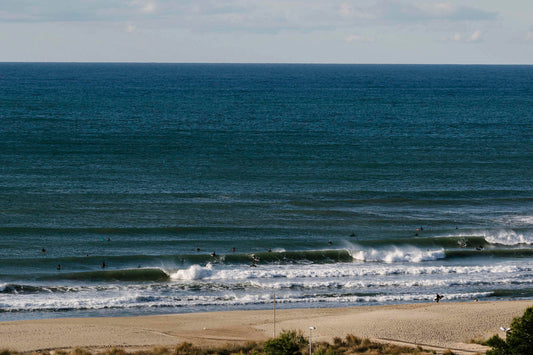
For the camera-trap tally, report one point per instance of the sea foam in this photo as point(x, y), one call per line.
point(195, 272)
point(508, 237)
point(397, 254)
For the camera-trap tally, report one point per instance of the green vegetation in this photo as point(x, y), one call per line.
point(288, 342)
point(355, 345)
point(519, 339)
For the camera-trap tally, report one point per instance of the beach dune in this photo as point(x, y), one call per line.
point(440, 326)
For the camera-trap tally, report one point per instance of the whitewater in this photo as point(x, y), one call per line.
point(317, 278)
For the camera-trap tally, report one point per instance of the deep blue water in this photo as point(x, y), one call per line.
point(370, 184)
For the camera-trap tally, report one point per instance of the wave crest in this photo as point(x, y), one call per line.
point(195, 272)
point(395, 254)
point(508, 237)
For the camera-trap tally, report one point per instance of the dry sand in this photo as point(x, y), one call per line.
point(440, 326)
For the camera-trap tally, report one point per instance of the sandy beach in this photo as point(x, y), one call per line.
point(445, 325)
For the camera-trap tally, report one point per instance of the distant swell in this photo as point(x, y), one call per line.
point(152, 274)
point(314, 256)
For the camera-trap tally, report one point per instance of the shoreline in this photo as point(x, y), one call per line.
point(439, 326)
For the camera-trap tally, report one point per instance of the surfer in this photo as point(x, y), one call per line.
point(103, 264)
point(43, 250)
point(58, 267)
point(255, 259)
point(438, 298)
point(213, 254)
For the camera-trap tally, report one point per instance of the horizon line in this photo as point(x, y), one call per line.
point(260, 63)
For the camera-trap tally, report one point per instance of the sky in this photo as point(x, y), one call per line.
point(261, 31)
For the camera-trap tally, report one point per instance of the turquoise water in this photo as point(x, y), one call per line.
point(350, 184)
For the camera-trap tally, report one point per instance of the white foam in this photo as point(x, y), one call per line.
point(520, 220)
point(507, 237)
point(400, 298)
point(397, 254)
point(441, 281)
point(230, 285)
point(300, 275)
point(83, 300)
point(135, 299)
point(195, 272)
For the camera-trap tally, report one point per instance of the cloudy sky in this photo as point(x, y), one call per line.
point(277, 31)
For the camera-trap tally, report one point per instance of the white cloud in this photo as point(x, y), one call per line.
point(446, 10)
point(357, 38)
point(274, 30)
point(476, 36)
point(149, 7)
point(345, 10)
point(272, 15)
point(144, 6)
point(436, 10)
point(352, 38)
point(425, 11)
point(130, 28)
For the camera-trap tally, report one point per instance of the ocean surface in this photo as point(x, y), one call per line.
point(136, 189)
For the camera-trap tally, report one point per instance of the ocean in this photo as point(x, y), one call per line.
point(137, 189)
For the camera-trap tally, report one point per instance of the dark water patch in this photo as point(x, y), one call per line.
point(515, 293)
point(19, 289)
point(492, 252)
point(290, 257)
point(101, 233)
point(444, 198)
point(112, 275)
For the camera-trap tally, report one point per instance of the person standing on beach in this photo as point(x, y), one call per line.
point(438, 298)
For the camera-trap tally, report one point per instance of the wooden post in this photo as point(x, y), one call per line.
point(274, 314)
